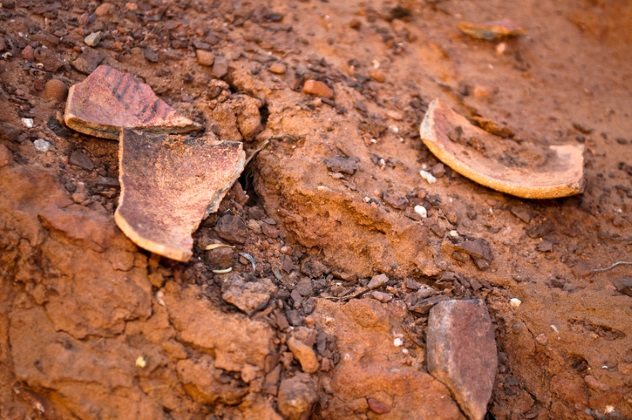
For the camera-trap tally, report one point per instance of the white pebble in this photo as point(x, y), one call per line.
point(41, 145)
point(28, 122)
point(398, 342)
point(453, 234)
point(93, 39)
point(141, 362)
point(515, 302)
point(421, 210)
point(427, 176)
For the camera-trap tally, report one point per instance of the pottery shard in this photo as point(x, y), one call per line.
point(461, 352)
point(524, 170)
point(169, 183)
point(109, 100)
point(491, 31)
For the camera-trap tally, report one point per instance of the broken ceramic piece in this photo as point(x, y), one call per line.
point(169, 184)
point(510, 166)
point(491, 31)
point(109, 100)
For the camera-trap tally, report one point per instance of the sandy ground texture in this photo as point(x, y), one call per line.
point(93, 327)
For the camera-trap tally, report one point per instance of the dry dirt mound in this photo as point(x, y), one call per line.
point(93, 327)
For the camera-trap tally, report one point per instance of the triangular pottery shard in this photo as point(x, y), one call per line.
point(169, 184)
point(109, 100)
point(513, 167)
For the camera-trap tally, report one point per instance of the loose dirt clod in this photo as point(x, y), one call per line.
point(169, 183)
point(109, 100)
point(521, 170)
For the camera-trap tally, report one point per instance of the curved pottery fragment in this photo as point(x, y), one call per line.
point(169, 184)
point(109, 100)
point(509, 166)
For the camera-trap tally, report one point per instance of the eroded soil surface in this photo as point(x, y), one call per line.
point(93, 327)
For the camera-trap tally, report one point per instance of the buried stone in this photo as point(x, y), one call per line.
point(109, 100)
point(461, 352)
point(169, 183)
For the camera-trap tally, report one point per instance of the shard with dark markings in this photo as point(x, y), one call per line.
point(169, 184)
point(109, 100)
point(519, 168)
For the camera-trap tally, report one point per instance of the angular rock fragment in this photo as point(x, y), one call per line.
point(303, 352)
point(169, 183)
point(109, 100)
point(491, 31)
point(514, 168)
point(461, 352)
point(297, 395)
point(249, 297)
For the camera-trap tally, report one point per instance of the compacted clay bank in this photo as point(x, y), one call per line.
point(414, 209)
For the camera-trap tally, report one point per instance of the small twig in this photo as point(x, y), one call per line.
point(254, 153)
point(351, 295)
point(610, 267)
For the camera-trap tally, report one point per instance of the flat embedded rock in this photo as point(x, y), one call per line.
point(461, 352)
point(109, 100)
point(169, 183)
point(374, 372)
point(523, 170)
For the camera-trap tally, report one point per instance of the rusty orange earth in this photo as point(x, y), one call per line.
point(109, 100)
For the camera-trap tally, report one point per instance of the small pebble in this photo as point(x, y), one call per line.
point(398, 342)
point(141, 362)
point(104, 9)
point(453, 234)
point(438, 170)
point(93, 39)
point(55, 90)
point(205, 58)
point(220, 67)
point(28, 53)
point(131, 6)
point(277, 68)
point(381, 296)
point(41, 145)
point(515, 302)
point(421, 210)
point(378, 281)
point(317, 88)
point(430, 178)
point(396, 115)
point(377, 75)
point(28, 122)
point(151, 55)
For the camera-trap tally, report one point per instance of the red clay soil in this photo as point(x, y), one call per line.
point(91, 326)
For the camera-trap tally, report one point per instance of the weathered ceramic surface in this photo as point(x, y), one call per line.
point(109, 100)
point(169, 184)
